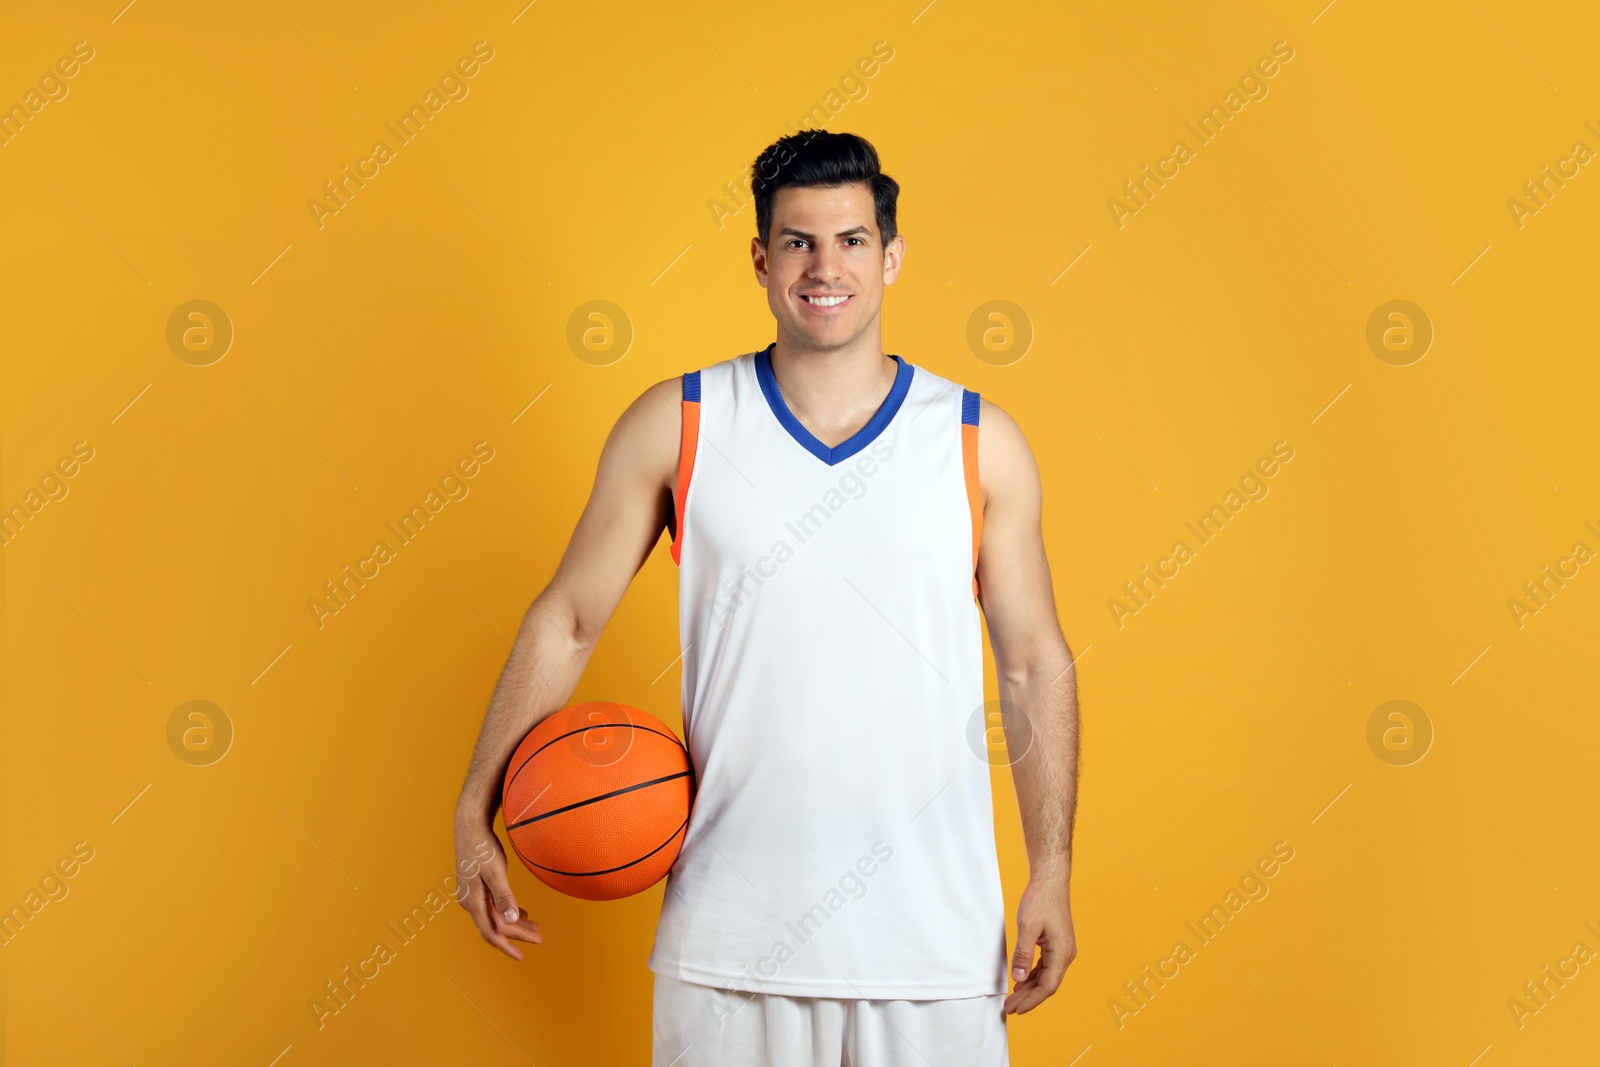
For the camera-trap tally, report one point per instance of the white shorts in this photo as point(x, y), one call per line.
point(702, 1026)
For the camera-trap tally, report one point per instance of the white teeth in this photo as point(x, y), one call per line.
point(827, 301)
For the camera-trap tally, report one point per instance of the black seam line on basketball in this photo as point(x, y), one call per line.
point(593, 800)
point(625, 866)
point(586, 729)
point(573, 733)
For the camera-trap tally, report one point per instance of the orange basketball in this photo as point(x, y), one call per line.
point(596, 800)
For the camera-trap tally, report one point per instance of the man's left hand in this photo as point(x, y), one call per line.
point(1044, 920)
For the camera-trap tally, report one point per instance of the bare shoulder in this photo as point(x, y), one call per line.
point(1006, 468)
point(645, 439)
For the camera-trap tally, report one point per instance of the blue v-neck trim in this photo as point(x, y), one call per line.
point(858, 440)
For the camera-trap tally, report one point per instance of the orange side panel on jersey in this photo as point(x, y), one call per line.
point(686, 447)
point(969, 464)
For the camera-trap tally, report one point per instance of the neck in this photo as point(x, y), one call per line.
point(833, 386)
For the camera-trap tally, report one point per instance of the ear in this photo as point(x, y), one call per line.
point(893, 257)
point(758, 259)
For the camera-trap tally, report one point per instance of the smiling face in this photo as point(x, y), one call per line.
point(826, 265)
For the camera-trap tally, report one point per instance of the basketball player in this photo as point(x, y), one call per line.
point(837, 519)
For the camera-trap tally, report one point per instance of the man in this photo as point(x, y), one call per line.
point(836, 524)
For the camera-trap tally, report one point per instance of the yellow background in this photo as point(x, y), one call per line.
point(432, 310)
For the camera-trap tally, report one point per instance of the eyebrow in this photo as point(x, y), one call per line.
point(790, 231)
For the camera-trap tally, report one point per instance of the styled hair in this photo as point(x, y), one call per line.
point(822, 158)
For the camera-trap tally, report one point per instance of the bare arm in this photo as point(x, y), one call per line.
point(1038, 699)
point(627, 510)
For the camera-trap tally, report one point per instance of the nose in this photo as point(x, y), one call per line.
point(827, 265)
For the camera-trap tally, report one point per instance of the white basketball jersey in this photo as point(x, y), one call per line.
point(841, 842)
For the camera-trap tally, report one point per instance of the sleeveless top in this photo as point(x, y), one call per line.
point(841, 842)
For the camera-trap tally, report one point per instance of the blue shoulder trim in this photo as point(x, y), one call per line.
point(969, 407)
point(691, 385)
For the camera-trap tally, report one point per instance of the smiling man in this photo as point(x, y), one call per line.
point(837, 527)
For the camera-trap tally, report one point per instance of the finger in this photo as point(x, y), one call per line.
point(1027, 996)
point(479, 904)
point(524, 929)
point(502, 944)
point(1019, 994)
point(493, 876)
point(519, 926)
point(1053, 960)
point(1043, 981)
point(1027, 1002)
point(1022, 958)
point(1016, 997)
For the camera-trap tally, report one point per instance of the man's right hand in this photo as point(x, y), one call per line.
point(483, 888)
